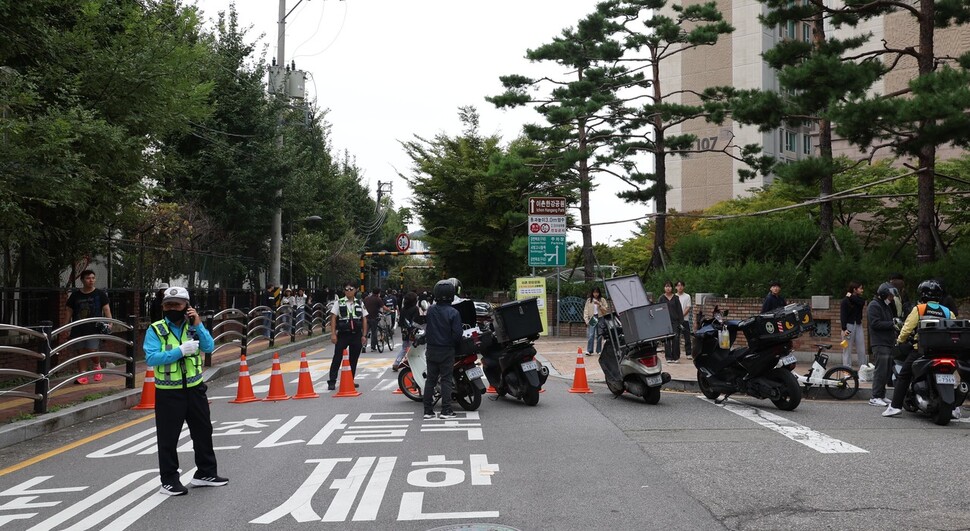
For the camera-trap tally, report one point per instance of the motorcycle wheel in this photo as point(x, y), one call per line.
point(531, 396)
point(468, 396)
point(791, 393)
point(849, 382)
point(651, 395)
point(943, 414)
point(405, 381)
point(705, 386)
point(615, 388)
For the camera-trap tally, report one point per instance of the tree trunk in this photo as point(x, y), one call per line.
point(660, 227)
point(589, 268)
point(925, 246)
point(826, 209)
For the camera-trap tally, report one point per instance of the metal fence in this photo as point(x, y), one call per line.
point(571, 309)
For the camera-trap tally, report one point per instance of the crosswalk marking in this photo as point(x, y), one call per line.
point(815, 440)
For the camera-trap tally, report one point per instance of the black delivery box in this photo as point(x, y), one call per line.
point(517, 320)
point(646, 323)
point(778, 326)
point(944, 336)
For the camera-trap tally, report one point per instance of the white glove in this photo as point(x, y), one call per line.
point(189, 348)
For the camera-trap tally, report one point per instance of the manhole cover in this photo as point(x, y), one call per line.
point(474, 527)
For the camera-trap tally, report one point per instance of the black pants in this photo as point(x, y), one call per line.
point(173, 407)
point(439, 370)
point(883, 356)
point(904, 378)
point(372, 332)
point(685, 331)
point(352, 342)
point(672, 344)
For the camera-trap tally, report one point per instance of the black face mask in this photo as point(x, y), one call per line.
point(175, 316)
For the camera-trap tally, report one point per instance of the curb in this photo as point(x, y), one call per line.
point(18, 432)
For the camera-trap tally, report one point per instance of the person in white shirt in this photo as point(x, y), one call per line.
point(685, 327)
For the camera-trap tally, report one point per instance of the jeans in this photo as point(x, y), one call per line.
point(685, 331)
point(904, 379)
point(372, 332)
point(590, 336)
point(884, 367)
point(405, 345)
point(268, 321)
point(857, 342)
point(439, 370)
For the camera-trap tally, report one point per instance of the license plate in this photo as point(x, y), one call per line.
point(475, 372)
point(530, 366)
point(789, 359)
point(654, 381)
point(946, 379)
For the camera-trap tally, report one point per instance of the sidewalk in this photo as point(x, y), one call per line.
point(561, 352)
point(73, 404)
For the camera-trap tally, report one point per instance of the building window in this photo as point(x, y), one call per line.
point(791, 141)
point(792, 34)
point(806, 33)
point(807, 144)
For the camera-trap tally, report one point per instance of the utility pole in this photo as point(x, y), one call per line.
point(276, 237)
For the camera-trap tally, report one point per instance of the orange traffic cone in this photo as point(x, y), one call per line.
point(347, 389)
point(244, 390)
point(276, 388)
point(580, 385)
point(304, 388)
point(147, 391)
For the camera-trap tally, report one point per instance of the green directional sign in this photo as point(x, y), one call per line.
point(547, 250)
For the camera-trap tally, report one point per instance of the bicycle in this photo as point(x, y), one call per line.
point(384, 333)
point(840, 382)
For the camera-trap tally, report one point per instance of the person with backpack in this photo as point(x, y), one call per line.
point(930, 293)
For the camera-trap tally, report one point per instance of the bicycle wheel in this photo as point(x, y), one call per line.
point(380, 339)
point(387, 339)
point(848, 382)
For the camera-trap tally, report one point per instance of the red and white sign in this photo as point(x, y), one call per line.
point(403, 242)
point(543, 225)
point(547, 206)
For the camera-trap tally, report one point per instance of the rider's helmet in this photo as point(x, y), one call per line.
point(444, 292)
point(930, 290)
point(885, 290)
point(457, 284)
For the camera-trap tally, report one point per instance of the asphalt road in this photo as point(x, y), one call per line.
point(572, 462)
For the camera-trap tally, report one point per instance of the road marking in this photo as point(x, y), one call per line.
point(815, 440)
point(73, 445)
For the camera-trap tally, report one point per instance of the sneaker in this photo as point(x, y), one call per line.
point(98, 377)
point(210, 481)
point(445, 415)
point(173, 490)
point(82, 380)
point(356, 385)
point(429, 416)
point(395, 367)
point(689, 357)
point(878, 402)
point(589, 353)
point(331, 386)
point(957, 413)
point(891, 412)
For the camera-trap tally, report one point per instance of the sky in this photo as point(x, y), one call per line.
point(387, 70)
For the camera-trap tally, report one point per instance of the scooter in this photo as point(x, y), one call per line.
point(510, 362)
point(760, 370)
point(934, 391)
point(466, 374)
point(635, 368)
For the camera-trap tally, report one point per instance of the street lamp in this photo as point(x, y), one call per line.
point(308, 218)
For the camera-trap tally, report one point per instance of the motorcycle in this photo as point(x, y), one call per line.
point(633, 368)
point(467, 375)
point(761, 370)
point(944, 345)
point(511, 362)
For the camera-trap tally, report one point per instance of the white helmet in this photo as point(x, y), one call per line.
point(176, 294)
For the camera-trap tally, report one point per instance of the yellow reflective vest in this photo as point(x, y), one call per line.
point(180, 374)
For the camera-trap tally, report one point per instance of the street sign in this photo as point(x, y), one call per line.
point(403, 242)
point(547, 225)
point(547, 206)
point(547, 251)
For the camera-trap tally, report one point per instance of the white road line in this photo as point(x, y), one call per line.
point(813, 439)
point(386, 384)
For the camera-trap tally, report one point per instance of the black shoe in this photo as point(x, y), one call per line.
point(356, 385)
point(173, 490)
point(428, 415)
point(447, 415)
point(331, 386)
point(209, 481)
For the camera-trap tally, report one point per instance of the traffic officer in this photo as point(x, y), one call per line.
point(348, 325)
point(172, 346)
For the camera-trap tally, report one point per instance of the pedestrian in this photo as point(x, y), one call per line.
point(85, 303)
point(269, 301)
point(300, 303)
point(930, 294)
point(409, 315)
point(288, 304)
point(672, 344)
point(882, 338)
point(374, 305)
point(595, 308)
point(172, 346)
point(155, 312)
point(850, 316)
point(901, 301)
point(774, 298)
point(685, 328)
point(348, 325)
point(393, 305)
point(443, 334)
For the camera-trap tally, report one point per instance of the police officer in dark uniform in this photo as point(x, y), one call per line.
point(348, 325)
point(172, 346)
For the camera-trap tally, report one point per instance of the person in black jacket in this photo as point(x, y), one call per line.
point(850, 315)
point(774, 298)
point(672, 344)
point(442, 334)
point(883, 327)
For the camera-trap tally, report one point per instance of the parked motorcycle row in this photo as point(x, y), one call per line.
point(763, 369)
